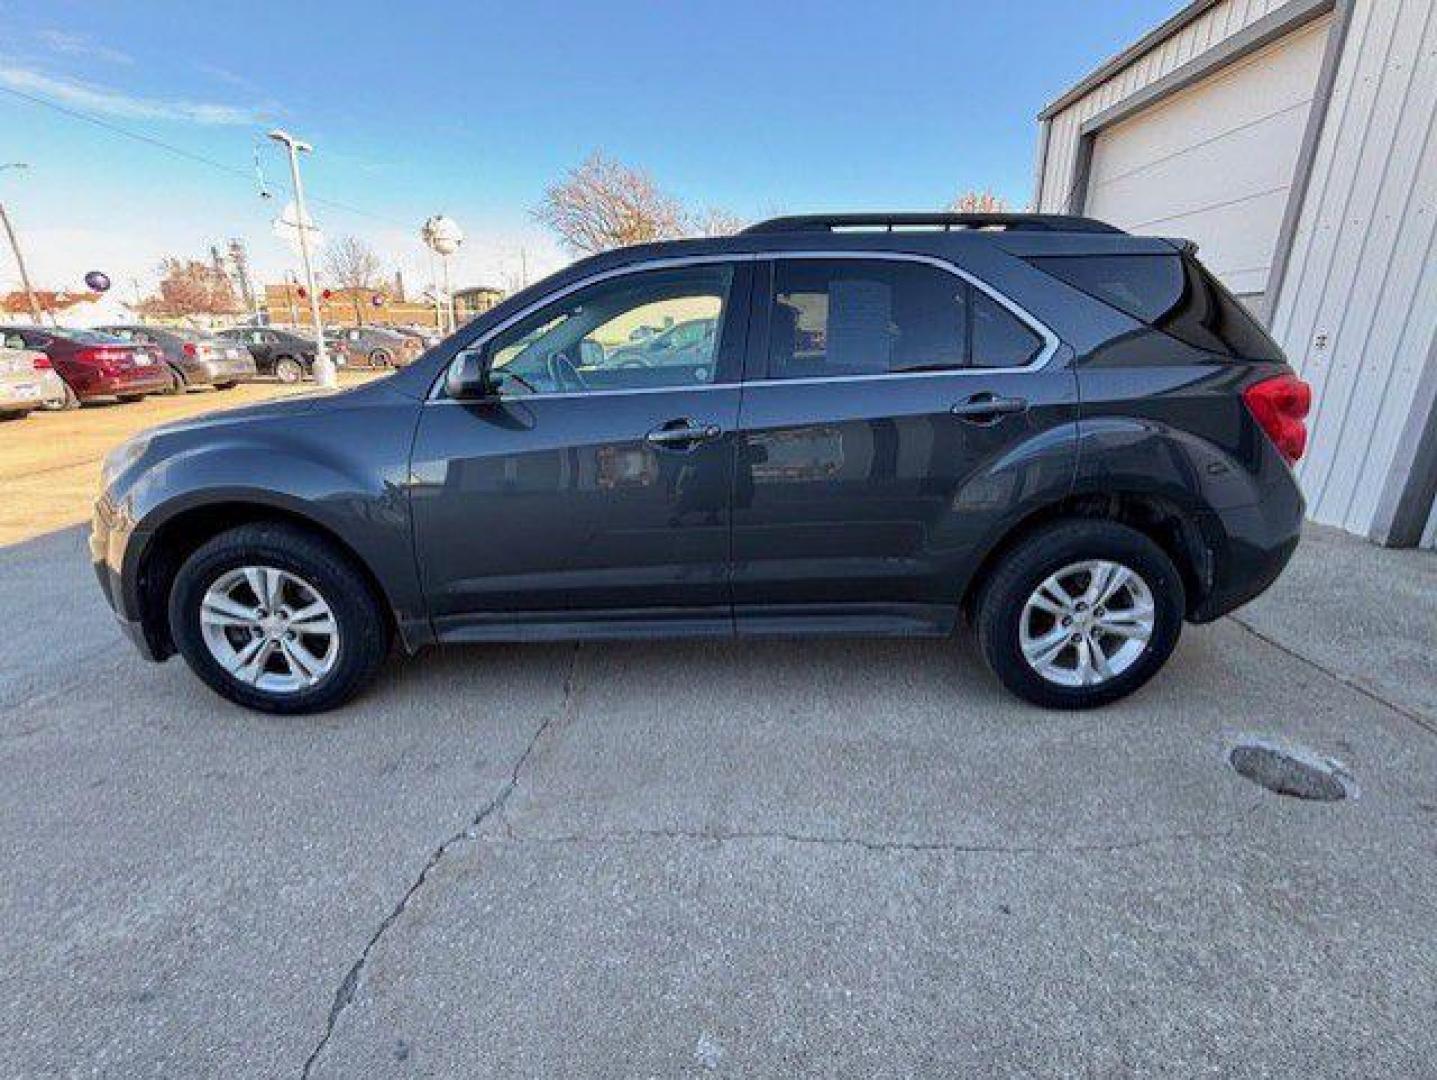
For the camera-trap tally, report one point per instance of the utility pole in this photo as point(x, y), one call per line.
point(15, 247)
point(323, 367)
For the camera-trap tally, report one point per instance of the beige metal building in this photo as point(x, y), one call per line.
point(1294, 141)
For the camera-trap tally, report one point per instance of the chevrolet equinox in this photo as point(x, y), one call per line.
point(1071, 438)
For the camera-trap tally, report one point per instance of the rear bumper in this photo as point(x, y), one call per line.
point(1250, 547)
point(219, 371)
point(144, 380)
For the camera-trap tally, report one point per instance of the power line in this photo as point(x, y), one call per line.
point(180, 151)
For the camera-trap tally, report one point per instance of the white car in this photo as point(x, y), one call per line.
point(27, 381)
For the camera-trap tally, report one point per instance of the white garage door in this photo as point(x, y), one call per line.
point(1214, 163)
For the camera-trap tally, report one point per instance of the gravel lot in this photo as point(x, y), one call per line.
point(743, 859)
point(50, 461)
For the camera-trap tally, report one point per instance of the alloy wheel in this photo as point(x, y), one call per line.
point(269, 628)
point(1087, 623)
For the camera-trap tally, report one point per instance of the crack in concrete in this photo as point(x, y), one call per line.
point(349, 985)
point(636, 836)
point(1352, 684)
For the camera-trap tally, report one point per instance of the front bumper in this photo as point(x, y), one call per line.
point(108, 540)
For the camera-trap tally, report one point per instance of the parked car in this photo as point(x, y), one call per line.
point(377, 346)
point(195, 358)
point(280, 353)
point(27, 379)
point(93, 365)
point(1074, 438)
point(427, 338)
point(680, 344)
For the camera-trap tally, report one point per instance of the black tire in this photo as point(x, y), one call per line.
point(1000, 605)
point(381, 358)
point(288, 370)
point(177, 383)
point(359, 614)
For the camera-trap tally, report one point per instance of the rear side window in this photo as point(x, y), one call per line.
point(1171, 293)
point(834, 317)
point(1000, 338)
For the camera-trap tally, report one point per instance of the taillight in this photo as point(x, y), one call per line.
point(42, 363)
point(106, 359)
point(191, 349)
point(1280, 405)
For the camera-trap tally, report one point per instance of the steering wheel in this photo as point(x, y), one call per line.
point(565, 373)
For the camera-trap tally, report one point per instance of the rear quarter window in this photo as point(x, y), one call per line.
point(1172, 293)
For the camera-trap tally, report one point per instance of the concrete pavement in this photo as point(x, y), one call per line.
point(776, 858)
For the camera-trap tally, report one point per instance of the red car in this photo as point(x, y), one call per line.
point(94, 365)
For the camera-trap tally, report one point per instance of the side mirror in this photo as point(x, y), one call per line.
point(468, 377)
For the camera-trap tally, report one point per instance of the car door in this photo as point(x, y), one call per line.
point(590, 493)
point(885, 402)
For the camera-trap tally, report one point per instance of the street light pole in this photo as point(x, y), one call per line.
point(15, 247)
point(323, 367)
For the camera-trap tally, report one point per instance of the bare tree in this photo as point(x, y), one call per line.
point(192, 287)
point(715, 222)
point(978, 202)
point(603, 204)
point(353, 267)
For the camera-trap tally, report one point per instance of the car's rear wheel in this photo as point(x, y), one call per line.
point(288, 370)
point(276, 619)
point(381, 358)
point(1080, 614)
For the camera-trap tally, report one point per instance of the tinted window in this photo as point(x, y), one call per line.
point(620, 334)
point(1172, 293)
point(865, 317)
point(1000, 338)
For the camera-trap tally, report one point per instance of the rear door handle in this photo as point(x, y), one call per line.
point(682, 434)
point(986, 408)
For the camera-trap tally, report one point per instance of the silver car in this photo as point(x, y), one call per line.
point(27, 381)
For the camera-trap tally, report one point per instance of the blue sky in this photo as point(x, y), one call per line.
point(471, 109)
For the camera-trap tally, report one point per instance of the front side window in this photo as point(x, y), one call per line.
point(646, 330)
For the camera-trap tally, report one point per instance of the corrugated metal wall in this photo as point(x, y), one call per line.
point(1222, 21)
point(1362, 276)
point(1357, 309)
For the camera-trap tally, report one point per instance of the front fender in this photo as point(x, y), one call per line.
point(344, 470)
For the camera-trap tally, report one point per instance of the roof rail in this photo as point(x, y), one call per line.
point(803, 223)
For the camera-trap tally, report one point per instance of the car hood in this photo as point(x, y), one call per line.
point(314, 401)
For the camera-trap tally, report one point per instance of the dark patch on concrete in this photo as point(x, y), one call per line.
point(1290, 770)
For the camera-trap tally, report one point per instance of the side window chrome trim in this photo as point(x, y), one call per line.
point(1051, 342)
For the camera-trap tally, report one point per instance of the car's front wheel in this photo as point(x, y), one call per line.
point(277, 619)
point(288, 370)
point(1080, 614)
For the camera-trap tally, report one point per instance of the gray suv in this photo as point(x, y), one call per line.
point(1069, 438)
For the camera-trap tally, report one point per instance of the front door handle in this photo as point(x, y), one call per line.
point(986, 408)
point(682, 434)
